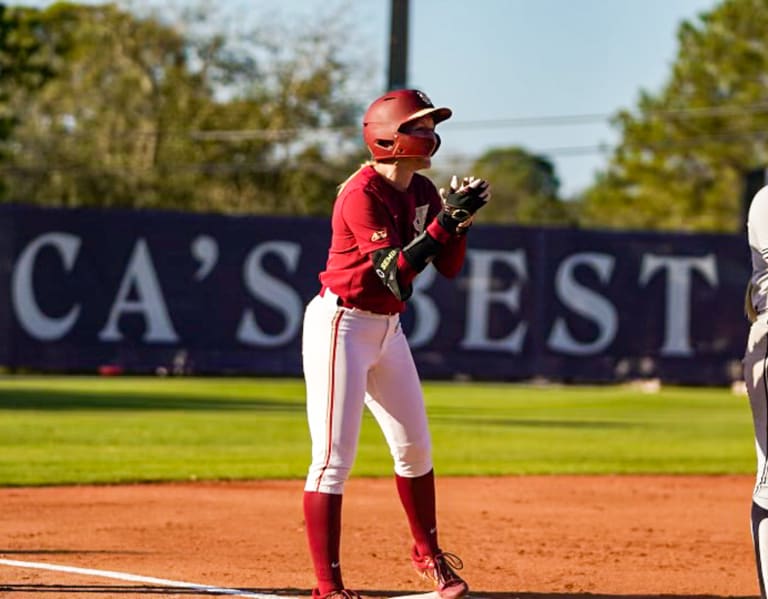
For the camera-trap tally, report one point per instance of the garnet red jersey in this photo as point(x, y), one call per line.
point(370, 214)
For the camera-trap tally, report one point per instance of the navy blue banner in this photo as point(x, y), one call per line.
point(186, 293)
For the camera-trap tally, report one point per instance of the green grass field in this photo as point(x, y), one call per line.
point(88, 429)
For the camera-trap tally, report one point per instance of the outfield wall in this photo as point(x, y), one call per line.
point(207, 294)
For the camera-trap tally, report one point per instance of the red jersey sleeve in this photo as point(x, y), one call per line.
point(369, 221)
point(450, 260)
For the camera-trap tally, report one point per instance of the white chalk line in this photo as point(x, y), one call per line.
point(203, 588)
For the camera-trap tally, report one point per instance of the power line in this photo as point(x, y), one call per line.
point(293, 134)
point(557, 120)
point(682, 143)
point(580, 119)
point(227, 167)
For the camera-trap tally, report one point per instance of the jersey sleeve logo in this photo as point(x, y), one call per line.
point(379, 235)
point(420, 220)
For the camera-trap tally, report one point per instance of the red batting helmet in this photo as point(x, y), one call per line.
point(384, 124)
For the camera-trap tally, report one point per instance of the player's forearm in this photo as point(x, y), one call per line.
point(450, 260)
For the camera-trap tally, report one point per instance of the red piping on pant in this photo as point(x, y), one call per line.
point(331, 392)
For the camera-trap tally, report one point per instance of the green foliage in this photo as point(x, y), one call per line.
point(683, 153)
point(524, 187)
point(140, 113)
point(24, 65)
point(77, 430)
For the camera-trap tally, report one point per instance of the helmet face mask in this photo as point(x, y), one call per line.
point(415, 142)
point(387, 127)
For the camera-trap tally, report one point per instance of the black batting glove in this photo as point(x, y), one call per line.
point(461, 202)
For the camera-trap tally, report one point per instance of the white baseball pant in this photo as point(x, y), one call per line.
point(756, 379)
point(353, 358)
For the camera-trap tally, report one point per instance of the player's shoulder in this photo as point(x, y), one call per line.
point(360, 195)
point(363, 182)
point(423, 182)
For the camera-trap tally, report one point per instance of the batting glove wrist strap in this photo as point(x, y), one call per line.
point(448, 223)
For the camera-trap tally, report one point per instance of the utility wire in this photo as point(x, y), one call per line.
point(268, 134)
point(580, 119)
point(495, 123)
point(276, 135)
point(321, 168)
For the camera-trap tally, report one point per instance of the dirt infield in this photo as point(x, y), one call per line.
point(530, 537)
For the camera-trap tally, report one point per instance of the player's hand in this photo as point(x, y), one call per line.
point(462, 201)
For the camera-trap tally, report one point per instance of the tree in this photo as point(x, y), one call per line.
point(138, 114)
point(24, 67)
point(682, 155)
point(524, 188)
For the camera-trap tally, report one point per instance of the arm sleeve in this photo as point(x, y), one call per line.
point(450, 260)
point(421, 251)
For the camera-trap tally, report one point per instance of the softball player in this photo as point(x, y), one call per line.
point(756, 372)
point(388, 224)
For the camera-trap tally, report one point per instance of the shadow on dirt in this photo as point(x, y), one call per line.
point(83, 590)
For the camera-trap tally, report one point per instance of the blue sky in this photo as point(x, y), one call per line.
point(500, 60)
point(540, 58)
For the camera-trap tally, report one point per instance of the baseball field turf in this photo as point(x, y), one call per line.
point(103, 430)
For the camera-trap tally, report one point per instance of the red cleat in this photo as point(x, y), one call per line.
point(440, 569)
